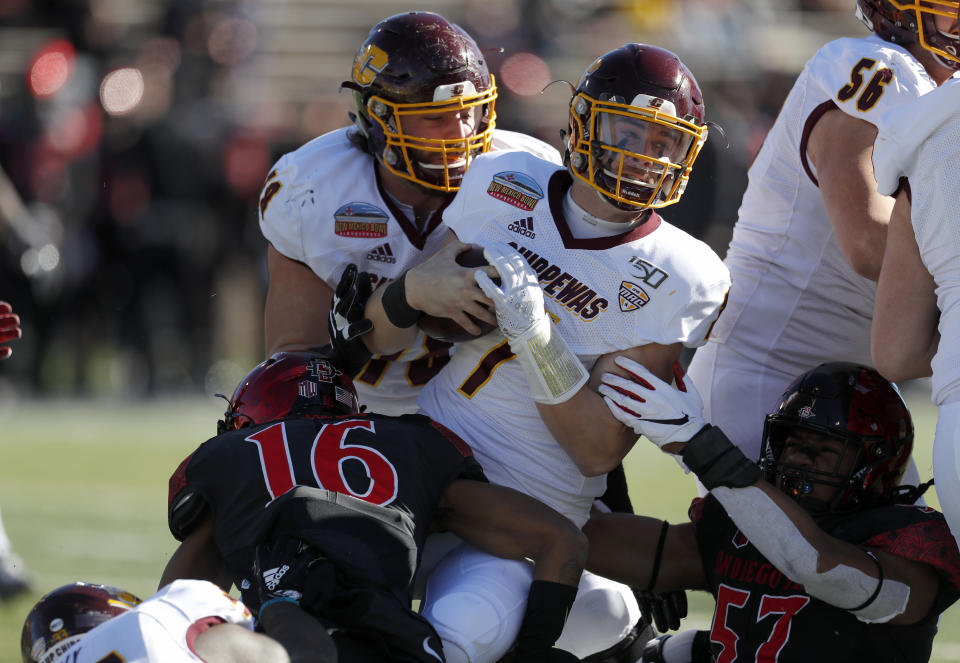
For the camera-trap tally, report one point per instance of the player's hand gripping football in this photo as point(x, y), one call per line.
point(519, 301)
point(346, 323)
point(554, 374)
point(663, 414)
point(9, 328)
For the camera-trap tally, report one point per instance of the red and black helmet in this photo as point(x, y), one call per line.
point(419, 63)
point(637, 124)
point(904, 22)
point(856, 405)
point(59, 619)
point(290, 384)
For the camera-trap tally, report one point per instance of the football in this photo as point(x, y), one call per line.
point(445, 329)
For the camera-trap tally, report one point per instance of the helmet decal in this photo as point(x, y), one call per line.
point(369, 62)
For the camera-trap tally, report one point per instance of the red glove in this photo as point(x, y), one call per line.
point(9, 328)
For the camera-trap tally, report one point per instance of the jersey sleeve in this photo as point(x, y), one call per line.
point(199, 599)
point(707, 282)
point(185, 504)
point(512, 140)
point(280, 220)
point(866, 77)
point(901, 131)
point(924, 538)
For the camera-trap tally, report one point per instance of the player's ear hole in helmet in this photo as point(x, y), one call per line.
point(857, 406)
point(61, 617)
point(290, 384)
point(419, 68)
point(636, 126)
point(908, 21)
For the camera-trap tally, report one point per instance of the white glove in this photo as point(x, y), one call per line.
point(651, 407)
point(554, 374)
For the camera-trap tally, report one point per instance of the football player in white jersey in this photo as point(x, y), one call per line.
point(807, 247)
point(188, 620)
point(616, 276)
point(916, 323)
point(371, 194)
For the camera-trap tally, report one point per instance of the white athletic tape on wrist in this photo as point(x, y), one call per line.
point(554, 374)
point(772, 532)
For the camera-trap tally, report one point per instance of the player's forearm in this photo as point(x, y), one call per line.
point(386, 337)
point(586, 430)
point(305, 639)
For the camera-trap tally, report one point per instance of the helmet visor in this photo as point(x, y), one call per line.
point(639, 154)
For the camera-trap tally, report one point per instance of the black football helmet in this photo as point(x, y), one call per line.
point(906, 21)
point(637, 124)
point(59, 619)
point(856, 405)
point(290, 384)
point(419, 63)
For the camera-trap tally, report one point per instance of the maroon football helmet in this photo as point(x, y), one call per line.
point(290, 384)
point(636, 127)
point(421, 64)
point(59, 619)
point(906, 21)
point(856, 405)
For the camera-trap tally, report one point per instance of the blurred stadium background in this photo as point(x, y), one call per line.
point(134, 137)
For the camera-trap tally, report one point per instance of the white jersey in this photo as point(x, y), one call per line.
point(162, 628)
point(921, 142)
point(795, 302)
point(323, 206)
point(652, 284)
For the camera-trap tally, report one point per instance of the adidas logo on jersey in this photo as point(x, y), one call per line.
point(382, 253)
point(272, 577)
point(523, 227)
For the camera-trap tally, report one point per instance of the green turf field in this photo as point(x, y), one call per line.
point(83, 494)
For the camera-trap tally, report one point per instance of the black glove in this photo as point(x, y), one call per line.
point(663, 609)
point(346, 323)
point(287, 569)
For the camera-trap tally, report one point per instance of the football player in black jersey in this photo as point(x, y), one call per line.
point(301, 498)
point(814, 554)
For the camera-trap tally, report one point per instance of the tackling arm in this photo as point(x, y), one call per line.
point(584, 426)
point(297, 306)
point(904, 335)
point(198, 557)
point(438, 286)
point(841, 149)
point(873, 585)
point(625, 548)
point(509, 524)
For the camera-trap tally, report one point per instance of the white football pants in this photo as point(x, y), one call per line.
point(476, 602)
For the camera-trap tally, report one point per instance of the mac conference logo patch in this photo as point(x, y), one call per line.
point(632, 296)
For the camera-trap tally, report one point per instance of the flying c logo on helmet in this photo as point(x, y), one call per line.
point(369, 62)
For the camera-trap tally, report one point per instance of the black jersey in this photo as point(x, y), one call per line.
point(389, 472)
point(763, 616)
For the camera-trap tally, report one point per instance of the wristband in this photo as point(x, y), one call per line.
point(395, 304)
point(655, 571)
point(876, 592)
point(276, 599)
point(717, 462)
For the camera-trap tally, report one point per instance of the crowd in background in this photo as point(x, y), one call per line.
point(135, 136)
